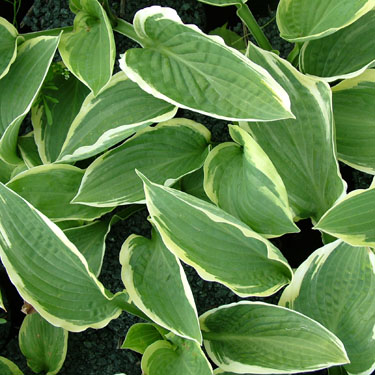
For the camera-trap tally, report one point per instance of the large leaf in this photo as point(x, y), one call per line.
point(48, 270)
point(190, 69)
point(302, 150)
point(59, 102)
point(176, 356)
point(7, 367)
point(8, 46)
point(89, 51)
point(345, 54)
point(43, 345)
point(117, 112)
point(336, 287)
point(220, 247)
point(157, 285)
point(354, 112)
point(50, 188)
point(300, 20)
point(165, 153)
point(90, 241)
point(259, 338)
point(241, 179)
point(352, 219)
point(19, 88)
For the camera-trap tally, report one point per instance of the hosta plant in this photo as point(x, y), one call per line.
point(104, 145)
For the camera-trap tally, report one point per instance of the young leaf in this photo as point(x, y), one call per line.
point(220, 247)
point(48, 270)
point(336, 287)
point(29, 150)
point(43, 345)
point(31, 66)
point(176, 356)
point(116, 113)
point(259, 338)
point(302, 150)
point(241, 179)
point(90, 241)
point(140, 336)
point(89, 51)
point(354, 112)
point(344, 54)
point(157, 285)
point(176, 147)
point(7, 367)
point(352, 219)
point(8, 46)
point(70, 94)
point(50, 188)
point(301, 20)
point(188, 68)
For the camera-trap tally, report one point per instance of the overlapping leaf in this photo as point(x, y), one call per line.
point(302, 150)
point(182, 65)
point(7, 367)
point(31, 65)
point(336, 287)
point(220, 247)
point(59, 102)
point(344, 54)
point(50, 188)
point(29, 150)
point(352, 219)
point(259, 338)
point(89, 50)
point(8, 46)
point(43, 345)
point(354, 113)
point(176, 356)
point(117, 112)
point(48, 270)
point(301, 20)
point(241, 179)
point(165, 153)
point(156, 283)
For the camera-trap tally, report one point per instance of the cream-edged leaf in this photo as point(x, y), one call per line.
point(7, 367)
point(29, 150)
point(8, 46)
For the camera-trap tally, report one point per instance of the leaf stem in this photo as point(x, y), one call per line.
point(247, 17)
point(125, 28)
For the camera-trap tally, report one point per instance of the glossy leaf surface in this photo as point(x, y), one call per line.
point(260, 338)
point(336, 287)
point(192, 70)
point(217, 245)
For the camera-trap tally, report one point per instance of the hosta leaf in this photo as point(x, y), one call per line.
point(140, 336)
point(7, 367)
point(300, 20)
point(354, 113)
point(116, 113)
point(199, 72)
point(157, 285)
point(220, 247)
point(29, 150)
point(31, 65)
point(8, 46)
point(223, 3)
point(192, 184)
point(336, 287)
point(5, 171)
point(50, 188)
point(175, 147)
point(89, 51)
point(90, 241)
point(43, 345)
point(352, 219)
point(48, 270)
point(52, 118)
point(302, 150)
point(259, 338)
point(176, 356)
point(241, 179)
point(231, 39)
point(344, 54)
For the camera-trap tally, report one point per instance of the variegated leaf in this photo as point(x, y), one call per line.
point(8, 46)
